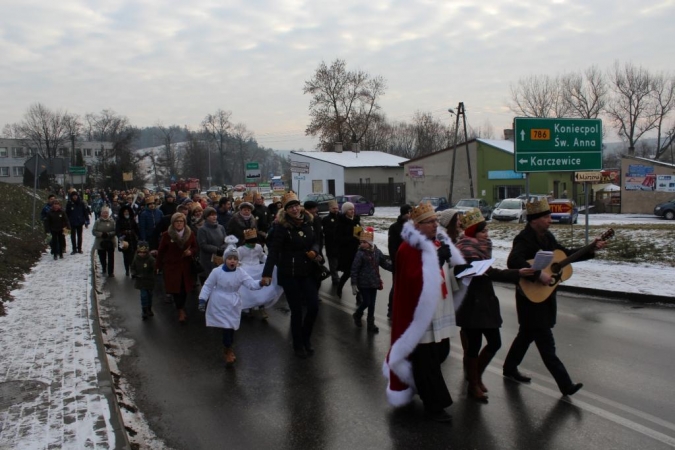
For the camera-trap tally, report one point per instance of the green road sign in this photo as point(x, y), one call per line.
point(557, 145)
point(75, 170)
point(252, 172)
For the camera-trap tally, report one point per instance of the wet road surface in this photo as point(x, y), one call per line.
point(336, 399)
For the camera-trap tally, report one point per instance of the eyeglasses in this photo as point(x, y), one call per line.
point(426, 222)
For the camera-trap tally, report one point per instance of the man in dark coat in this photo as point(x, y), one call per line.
point(329, 228)
point(242, 220)
point(348, 230)
point(224, 211)
point(261, 214)
point(168, 208)
point(394, 241)
point(537, 320)
point(78, 216)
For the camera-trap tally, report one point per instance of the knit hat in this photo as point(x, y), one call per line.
point(208, 211)
point(346, 206)
point(309, 204)
point(470, 221)
point(177, 216)
point(245, 204)
point(422, 212)
point(445, 217)
point(231, 250)
point(143, 246)
point(537, 208)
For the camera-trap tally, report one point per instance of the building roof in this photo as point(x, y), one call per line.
point(350, 159)
point(501, 144)
point(660, 163)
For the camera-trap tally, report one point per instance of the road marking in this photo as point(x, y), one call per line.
point(554, 393)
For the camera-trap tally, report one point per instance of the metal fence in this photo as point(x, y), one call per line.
point(381, 194)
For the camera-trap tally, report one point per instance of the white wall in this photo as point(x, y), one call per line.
point(318, 170)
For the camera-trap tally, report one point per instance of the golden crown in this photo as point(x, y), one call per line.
point(422, 212)
point(537, 207)
point(250, 233)
point(289, 197)
point(367, 235)
point(471, 218)
point(248, 198)
point(276, 199)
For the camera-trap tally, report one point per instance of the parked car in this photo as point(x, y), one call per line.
point(466, 204)
point(240, 188)
point(362, 206)
point(439, 203)
point(510, 209)
point(666, 209)
point(321, 199)
point(537, 197)
point(563, 211)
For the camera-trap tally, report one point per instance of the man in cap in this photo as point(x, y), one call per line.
point(423, 316)
point(537, 320)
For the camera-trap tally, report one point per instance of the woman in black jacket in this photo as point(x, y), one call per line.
point(127, 232)
point(347, 235)
point(293, 249)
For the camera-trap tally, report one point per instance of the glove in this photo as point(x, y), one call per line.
point(355, 290)
point(443, 254)
point(104, 235)
point(459, 268)
point(311, 254)
point(220, 252)
point(202, 305)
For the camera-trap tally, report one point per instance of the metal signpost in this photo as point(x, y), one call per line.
point(587, 178)
point(299, 167)
point(557, 145)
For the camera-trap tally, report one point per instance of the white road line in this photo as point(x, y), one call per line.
point(554, 393)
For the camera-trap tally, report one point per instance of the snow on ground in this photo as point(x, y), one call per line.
point(604, 275)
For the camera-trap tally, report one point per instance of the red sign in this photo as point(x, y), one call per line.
point(251, 185)
point(560, 208)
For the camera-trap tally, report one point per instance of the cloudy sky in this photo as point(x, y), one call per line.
point(176, 61)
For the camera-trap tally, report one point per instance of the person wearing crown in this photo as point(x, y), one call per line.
point(423, 315)
point(293, 249)
point(537, 320)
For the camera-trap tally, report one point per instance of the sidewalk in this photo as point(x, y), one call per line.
point(55, 390)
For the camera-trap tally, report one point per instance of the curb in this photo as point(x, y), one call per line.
point(106, 385)
point(630, 296)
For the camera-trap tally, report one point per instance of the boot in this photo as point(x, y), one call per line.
point(263, 314)
point(150, 313)
point(145, 314)
point(182, 317)
point(474, 389)
point(484, 359)
point(357, 319)
point(230, 358)
point(465, 346)
point(372, 328)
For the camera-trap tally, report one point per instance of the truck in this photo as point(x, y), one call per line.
point(190, 185)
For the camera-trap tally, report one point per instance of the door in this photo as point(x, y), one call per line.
point(331, 187)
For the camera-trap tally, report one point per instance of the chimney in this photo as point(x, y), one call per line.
point(338, 147)
point(508, 134)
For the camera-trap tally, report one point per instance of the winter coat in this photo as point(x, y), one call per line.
point(251, 256)
point(224, 217)
point(394, 239)
point(56, 221)
point(147, 221)
point(347, 242)
point(45, 211)
point(175, 265)
point(260, 213)
point(480, 308)
point(210, 239)
point(224, 302)
point(143, 272)
point(329, 230)
point(289, 246)
point(525, 246)
point(78, 213)
point(238, 224)
point(127, 228)
point(104, 227)
point(168, 208)
point(365, 268)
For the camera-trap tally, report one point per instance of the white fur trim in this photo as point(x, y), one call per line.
point(426, 307)
point(400, 398)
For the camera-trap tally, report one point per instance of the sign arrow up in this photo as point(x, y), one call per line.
point(522, 135)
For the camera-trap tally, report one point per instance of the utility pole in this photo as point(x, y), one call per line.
point(460, 112)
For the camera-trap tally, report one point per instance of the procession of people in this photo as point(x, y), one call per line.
point(241, 255)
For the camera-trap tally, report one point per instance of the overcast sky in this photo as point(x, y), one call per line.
point(176, 61)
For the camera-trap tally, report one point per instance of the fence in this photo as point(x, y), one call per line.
point(381, 194)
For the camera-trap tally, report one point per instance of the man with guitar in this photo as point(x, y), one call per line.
point(537, 320)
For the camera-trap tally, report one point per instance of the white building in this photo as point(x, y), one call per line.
point(329, 172)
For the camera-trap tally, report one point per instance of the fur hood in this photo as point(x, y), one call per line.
point(283, 220)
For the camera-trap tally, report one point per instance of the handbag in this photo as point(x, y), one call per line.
point(195, 266)
point(321, 272)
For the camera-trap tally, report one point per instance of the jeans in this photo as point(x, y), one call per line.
point(228, 337)
point(368, 296)
point(76, 238)
point(301, 291)
point(146, 298)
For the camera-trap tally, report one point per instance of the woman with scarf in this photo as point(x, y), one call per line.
point(479, 315)
point(242, 220)
point(177, 249)
point(127, 232)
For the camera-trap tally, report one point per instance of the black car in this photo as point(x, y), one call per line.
point(321, 199)
point(666, 209)
point(439, 203)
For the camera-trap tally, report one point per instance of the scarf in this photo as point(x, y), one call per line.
point(475, 249)
point(180, 239)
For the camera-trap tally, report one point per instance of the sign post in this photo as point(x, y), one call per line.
point(252, 172)
point(557, 145)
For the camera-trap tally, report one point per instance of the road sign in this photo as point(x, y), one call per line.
point(557, 145)
point(299, 167)
point(252, 172)
point(77, 170)
point(41, 165)
point(592, 177)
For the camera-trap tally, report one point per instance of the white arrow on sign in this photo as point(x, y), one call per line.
point(522, 161)
point(522, 135)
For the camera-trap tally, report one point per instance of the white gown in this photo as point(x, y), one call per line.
point(252, 260)
point(222, 290)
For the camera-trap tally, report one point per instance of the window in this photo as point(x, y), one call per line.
point(17, 171)
point(98, 152)
point(4, 171)
point(63, 151)
point(87, 152)
point(17, 152)
point(32, 151)
point(3, 152)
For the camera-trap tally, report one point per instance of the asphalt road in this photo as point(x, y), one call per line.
point(336, 399)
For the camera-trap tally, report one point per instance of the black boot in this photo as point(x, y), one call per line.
point(145, 314)
point(357, 319)
point(372, 328)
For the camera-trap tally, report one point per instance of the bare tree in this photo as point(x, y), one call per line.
point(538, 96)
point(585, 93)
point(663, 93)
point(168, 135)
point(195, 161)
point(631, 107)
point(44, 129)
point(430, 134)
point(217, 126)
point(242, 140)
point(343, 103)
point(402, 140)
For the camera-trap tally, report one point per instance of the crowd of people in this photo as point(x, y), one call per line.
point(224, 248)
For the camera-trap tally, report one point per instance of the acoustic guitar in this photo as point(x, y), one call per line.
point(559, 269)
